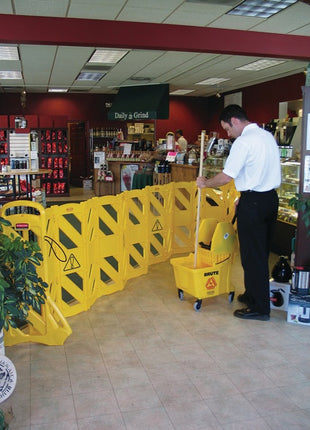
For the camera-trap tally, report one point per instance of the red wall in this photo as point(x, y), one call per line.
point(191, 114)
point(261, 101)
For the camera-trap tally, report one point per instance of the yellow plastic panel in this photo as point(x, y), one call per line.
point(49, 327)
point(184, 215)
point(160, 222)
point(104, 244)
point(67, 257)
point(136, 233)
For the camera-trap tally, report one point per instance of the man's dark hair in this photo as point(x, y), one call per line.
point(179, 131)
point(233, 111)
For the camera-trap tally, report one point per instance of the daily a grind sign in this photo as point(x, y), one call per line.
point(142, 102)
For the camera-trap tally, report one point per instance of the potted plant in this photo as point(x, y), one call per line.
point(20, 288)
point(302, 205)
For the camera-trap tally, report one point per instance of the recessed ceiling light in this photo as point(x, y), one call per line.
point(107, 56)
point(212, 81)
point(9, 53)
point(9, 74)
point(260, 9)
point(260, 65)
point(180, 92)
point(57, 90)
point(89, 76)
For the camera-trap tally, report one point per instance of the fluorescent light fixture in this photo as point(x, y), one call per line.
point(90, 76)
point(57, 90)
point(107, 56)
point(260, 9)
point(180, 92)
point(212, 81)
point(260, 65)
point(8, 53)
point(9, 74)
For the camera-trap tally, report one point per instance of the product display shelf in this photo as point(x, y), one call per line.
point(141, 131)
point(54, 155)
point(4, 147)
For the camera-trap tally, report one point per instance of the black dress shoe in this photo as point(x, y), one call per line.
point(249, 314)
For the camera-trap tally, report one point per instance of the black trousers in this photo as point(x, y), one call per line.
point(257, 215)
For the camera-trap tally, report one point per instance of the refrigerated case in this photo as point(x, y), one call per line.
point(289, 188)
point(287, 216)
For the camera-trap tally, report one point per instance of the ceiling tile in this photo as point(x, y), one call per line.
point(98, 9)
point(235, 22)
point(41, 7)
point(196, 14)
point(68, 63)
point(37, 63)
point(6, 6)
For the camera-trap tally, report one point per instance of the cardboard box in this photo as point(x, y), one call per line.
point(298, 311)
point(87, 184)
point(279, 295)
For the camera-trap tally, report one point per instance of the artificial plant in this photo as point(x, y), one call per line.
point(20, 285)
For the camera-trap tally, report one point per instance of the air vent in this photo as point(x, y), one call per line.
point(96, 68)
point(12, 89)
point(216, 2)
point(79, 90)
point(140, 79)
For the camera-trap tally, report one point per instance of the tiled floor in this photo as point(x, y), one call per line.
point(141, 359)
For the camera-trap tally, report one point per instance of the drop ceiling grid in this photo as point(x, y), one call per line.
point(168, 61)
point(131, 64)
point(286, 21)
point(68, 63)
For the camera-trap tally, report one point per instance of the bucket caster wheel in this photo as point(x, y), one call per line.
point(197, 305)
point(180, 294)
point(231, 296)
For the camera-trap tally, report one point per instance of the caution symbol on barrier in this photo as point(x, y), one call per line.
point(211, 283)
point(157, 226)
point(72, 263)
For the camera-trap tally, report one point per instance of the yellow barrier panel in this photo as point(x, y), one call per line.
point(136, 237)
point(67, 256)
point(160, 222)
point(47, 326)
point(184, 213)
point(104, 244)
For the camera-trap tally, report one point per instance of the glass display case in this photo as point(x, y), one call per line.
point(213, 165)
point(289, 187)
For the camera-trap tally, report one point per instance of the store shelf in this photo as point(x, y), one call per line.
point(54, 155)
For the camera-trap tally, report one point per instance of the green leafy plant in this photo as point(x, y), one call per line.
point(302, 205)
point(20, 285)
point(2, 422)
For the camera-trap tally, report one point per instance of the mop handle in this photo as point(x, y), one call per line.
point(202, 144)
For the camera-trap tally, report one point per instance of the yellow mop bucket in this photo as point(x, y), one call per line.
point(210, 274)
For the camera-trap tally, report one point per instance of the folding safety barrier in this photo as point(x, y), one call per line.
point(91, 249)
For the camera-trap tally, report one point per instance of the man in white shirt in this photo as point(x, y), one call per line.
point(254, 164)
point(181, 142)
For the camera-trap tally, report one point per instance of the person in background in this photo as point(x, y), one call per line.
point(254, 164)
point(180, 141)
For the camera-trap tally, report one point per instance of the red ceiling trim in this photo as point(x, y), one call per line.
point(139, 35)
